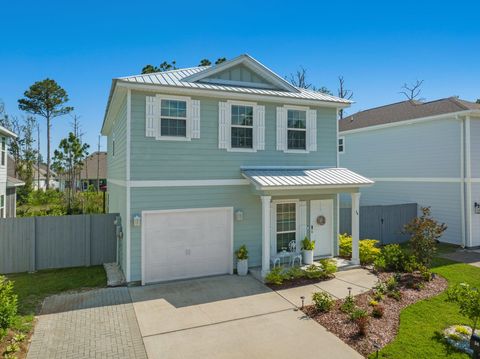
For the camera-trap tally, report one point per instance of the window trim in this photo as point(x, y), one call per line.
point(342, 138)
point(297, 108)
point(231, 103)
point(2, 206)
point(3, 151)
point(113, 144)
point(295, 201)
point(188, 118)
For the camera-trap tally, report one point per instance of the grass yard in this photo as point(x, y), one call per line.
point(421, 324)
point(33, 288)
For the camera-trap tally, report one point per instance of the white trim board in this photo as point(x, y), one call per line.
point(418, 179)
point(128, 220)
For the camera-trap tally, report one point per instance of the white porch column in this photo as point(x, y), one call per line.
point(355, 227)
point(265, 234)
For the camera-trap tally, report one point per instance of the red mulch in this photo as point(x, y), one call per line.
point(380, 331)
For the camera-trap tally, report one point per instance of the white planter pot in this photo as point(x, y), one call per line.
point(242, 267)
point(307, 257)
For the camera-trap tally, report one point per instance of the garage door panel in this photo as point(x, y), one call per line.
point(187, 243)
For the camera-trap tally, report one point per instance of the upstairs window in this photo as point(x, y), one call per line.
point(173, 118)
point(341, 144)
point(296, 130)
point(242, 126)
point(3, 151)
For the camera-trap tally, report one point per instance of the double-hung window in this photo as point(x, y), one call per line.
point(286, 225)
point(173, 118)
point(242, 126)
point(3, 151)
point(341, 144)
point(296, 129)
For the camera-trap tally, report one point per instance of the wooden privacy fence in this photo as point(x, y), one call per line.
point(33, 243)
point(384, 223)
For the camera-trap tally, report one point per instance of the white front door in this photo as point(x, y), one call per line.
point(321, 226)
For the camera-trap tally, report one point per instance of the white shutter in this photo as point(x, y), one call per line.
point(259, 128)
point(273, 229)
point(195, 118)
point(311, 130)
point(302, 223)
point(151, 116)
point(281, 129)
point(224, 119)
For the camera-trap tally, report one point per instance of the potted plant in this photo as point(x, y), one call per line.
point(308, 246)
point(242, 260)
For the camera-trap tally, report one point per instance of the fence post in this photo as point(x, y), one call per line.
point(33, 249)
point(88, 239)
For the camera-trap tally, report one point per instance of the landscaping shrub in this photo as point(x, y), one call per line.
point(294, 273)
point(462, 330)
point(275, 276)
point(8, 305)
point(314, 272)
point(468, 300)
point(373, 303)
point(323, 301)
point(424, 232)
point(242, 252)
point(368, 249)
point(329, 266)
point(378, 311)
point(348, 305)
point(307, 244)
point(391, 259)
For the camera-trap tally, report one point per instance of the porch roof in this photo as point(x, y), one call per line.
point(14, 182)
point(270, 178)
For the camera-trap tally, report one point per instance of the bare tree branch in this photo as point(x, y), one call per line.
point(299, 79)
point(412, 91)
point(343, 93)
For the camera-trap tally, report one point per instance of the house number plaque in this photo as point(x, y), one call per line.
point(321, 220)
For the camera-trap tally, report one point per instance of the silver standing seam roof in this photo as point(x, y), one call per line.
point(281, 178)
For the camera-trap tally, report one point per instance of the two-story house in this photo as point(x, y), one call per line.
point(205, 159)
point(8, 185)
point(420, 152)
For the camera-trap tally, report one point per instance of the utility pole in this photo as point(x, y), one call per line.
point(98, 165)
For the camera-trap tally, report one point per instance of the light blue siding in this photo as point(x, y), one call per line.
point(475, 147)
point(201, 158)
point(239, 73)
point(427, 149)
point(248, 231)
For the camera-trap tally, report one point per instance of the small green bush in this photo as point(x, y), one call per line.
point(314, 272)
point(358, 313)
point(329, 266)
point(348, 305)
point(307, 244)
point(378, 296)
point(395, 294)
point(275, 276)
point(323, 301)
point(391, 284)
point(373, 303)
point(294, 273)
point(12, 348)
point(462, 330)
point(391, 259)
point(368, 249)
point(242, 253)
point(8, 305)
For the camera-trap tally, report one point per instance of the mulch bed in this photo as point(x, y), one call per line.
point(380, 331)
point(292, 283)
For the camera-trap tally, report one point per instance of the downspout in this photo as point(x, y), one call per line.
point(337, 250)
point(468, 179)
point(462, 180)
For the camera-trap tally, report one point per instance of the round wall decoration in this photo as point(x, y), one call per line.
point(321, 220)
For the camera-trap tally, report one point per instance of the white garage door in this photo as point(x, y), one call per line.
point(186, 243)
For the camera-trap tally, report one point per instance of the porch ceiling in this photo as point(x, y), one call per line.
point(286, 178)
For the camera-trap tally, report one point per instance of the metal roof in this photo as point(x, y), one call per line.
point(14, 182)
point(175, 78)
point(7, 132)
point(281, 178)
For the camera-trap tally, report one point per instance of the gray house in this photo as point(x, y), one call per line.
point(420, 152)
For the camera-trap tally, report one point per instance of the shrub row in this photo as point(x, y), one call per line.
point(278, 275)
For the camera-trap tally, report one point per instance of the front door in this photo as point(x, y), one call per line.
point(321, 226)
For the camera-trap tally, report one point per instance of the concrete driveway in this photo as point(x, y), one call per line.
point(228, 317)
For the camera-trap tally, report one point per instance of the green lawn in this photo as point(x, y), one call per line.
point(422, 323)
point(32, 288)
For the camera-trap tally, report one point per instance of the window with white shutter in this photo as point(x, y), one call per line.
point(296, 129)
point(281, 129)
point(151, 116)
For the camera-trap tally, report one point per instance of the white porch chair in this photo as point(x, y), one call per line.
point(294, 253)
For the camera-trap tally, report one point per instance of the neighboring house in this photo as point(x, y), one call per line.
point(420, 152)
point(94, 170)
point(205, 159)
point(8, 184)
point(39, 175)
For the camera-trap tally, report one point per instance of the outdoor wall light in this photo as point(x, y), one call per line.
point(477, 207)
point(137, 220)
point(239, 215)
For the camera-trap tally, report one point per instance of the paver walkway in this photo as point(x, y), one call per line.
point(94, 324)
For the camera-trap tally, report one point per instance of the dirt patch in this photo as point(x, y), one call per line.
point(12, 339)
point(380, 331)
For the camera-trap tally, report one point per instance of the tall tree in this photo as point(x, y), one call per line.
point(205, 62)
point(299, 79)
point(412, 91)
point(478, 100)
point(343, 93)
point(46, 98)
point(68, 160)
point(28, 156)
point(220, 60)
point(164, 66)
